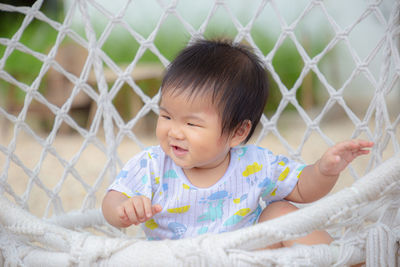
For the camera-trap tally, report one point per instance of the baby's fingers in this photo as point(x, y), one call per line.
point(147, 209)
point(354, 146)
point(363, 144)
point(136, 210)
point(361, 152)
point(130, 208)
point(123, 216)
point(156, 209)
point(143, 208)
point(151, 210)
point(121, 213)
point(367, 144)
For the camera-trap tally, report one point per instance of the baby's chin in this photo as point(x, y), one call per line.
point(182, 165)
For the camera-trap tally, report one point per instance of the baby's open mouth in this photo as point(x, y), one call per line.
point(178, 150)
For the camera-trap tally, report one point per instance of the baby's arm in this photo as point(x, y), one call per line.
point(122, 211)
point(318, 179)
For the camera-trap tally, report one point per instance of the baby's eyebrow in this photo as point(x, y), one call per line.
point(163, 109)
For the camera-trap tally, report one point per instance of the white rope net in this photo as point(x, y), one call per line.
point(363, 218)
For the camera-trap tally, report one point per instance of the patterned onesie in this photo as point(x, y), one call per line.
point(233, 202)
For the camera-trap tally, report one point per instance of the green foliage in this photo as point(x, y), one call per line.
point(122, 48)
point(288, 64)
point(37, 36)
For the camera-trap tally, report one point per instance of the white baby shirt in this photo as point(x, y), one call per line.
point(253, 173)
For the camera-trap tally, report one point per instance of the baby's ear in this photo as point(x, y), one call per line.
point(241, 133)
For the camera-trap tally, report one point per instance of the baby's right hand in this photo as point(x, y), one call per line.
point(136, 210)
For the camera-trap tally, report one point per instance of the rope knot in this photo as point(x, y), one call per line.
point(117, 19)
point(313, 125)
point(363, 67)
point(125, 76)
point(337, 96)
point(147, 43)
point(289, 95)
point(341, 35)
point(373, 6)
point(171, 9)
point(311, 64)
point(287, 30)
point(381, 246)
point(63, 28)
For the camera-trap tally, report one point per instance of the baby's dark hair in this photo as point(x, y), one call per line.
point(233, 75)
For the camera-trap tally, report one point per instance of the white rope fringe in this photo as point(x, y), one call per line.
point(377, 242)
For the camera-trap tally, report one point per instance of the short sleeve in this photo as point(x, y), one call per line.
point(135, 177)
point(282, 177)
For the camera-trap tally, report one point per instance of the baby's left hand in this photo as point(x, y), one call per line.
point(337, 157)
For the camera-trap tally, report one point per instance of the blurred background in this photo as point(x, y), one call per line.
point(56, 149)
point(314, 32)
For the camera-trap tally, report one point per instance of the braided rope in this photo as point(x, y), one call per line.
point(382, 185)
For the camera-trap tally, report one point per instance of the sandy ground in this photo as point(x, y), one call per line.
point(90, 174)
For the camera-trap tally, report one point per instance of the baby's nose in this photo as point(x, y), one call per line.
point(176, 133)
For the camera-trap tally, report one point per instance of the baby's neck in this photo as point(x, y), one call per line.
point(207, 177)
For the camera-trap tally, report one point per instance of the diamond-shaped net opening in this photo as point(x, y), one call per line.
point(79, 84)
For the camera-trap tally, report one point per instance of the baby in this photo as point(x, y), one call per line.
point(201, 178)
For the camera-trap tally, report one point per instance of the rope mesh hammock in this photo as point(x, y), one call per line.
point(364, 218)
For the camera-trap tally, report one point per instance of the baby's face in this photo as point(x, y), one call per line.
point(189, 131)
